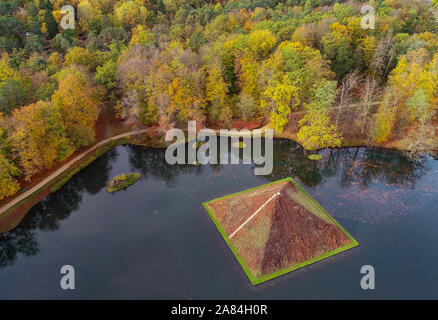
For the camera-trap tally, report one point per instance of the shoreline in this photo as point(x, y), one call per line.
point(14, 210)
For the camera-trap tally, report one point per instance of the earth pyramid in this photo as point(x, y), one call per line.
point(277, 228)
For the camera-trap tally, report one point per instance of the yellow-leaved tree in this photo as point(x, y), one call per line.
point(280, 96)
point(8, 171)
point(216, 94)
point(416, 75)
point(38, 137)
point(78, 103)
point(316, 132)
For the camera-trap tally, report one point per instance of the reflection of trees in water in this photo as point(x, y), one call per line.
point(290, 159)
point(49, 212)
point(152, 163)
point(17, 241)
point(97, 173)
point(352, 165)
point(365, 165)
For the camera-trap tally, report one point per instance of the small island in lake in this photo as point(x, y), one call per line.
point(315, 157)
point(122, 181)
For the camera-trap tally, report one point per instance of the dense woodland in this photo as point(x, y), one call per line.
point(307, 67)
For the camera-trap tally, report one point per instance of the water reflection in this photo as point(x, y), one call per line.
point(382, 180)
point(361, 166)
point(151, 163)
point(48, 214)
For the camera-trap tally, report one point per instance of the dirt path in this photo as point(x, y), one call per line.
point(64, 168)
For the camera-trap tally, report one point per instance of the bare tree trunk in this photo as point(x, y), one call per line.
point(341, 103)
point(350, 82)
point(370, 87)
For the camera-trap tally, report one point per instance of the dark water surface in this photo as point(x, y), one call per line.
point(155, 240)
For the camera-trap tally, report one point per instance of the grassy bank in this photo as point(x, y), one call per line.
point(63, 179)
point(10, 218)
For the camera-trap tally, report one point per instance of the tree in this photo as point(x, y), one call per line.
point(131, 13)
point(38, 137)
point(78, 103)
point(246, 106)
point(13, 93)
point(384, 55)
point(248, 76)
point(281, 96)
point(34, 43)
point(12, 33)
point(414, 71)
point(325, 93)
point(316, 132)
point(348, 84)
point(342, 11)
point(423, 139)
point(368, 94)
point(216, 92)
point(261, 42)
point(8, 171)
point(385, 117)
point(141, 36)
point(183, 101)
point(61, 43)
point(8, 183)
point(338, 48)
point(291, 77)
point(89, 16)
point(6, 72)
point(106, 74)
point(82, 57)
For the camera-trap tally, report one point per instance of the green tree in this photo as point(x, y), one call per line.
point(338, 48)
point(82, 57)
point(13, 93)
point(106, 74)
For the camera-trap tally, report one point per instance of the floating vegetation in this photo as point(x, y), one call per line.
point(315, 157)
point(122, 181)
point(239, 145)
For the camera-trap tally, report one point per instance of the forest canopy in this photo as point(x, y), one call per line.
point(307, 68)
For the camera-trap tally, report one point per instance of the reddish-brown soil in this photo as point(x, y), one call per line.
point(238, 125)
point(282, 234)
point(250, 125)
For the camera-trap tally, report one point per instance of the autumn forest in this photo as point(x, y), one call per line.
point(306, 68)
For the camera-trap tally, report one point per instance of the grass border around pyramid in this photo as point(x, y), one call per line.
point(280, 272)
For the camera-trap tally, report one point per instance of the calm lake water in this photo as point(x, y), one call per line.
point(155, 241)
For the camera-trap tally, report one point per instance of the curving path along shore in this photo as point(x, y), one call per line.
point(64, 168)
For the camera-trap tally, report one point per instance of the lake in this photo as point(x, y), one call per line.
point(155, 240)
